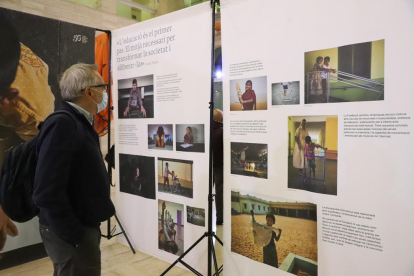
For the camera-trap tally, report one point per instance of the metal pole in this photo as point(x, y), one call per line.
point(210, 234)
point(109, 124)
point(210, 162)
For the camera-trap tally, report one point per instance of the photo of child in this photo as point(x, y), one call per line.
point(181, 173)
point(160, 137)
point(275, 232)
point(249, 159)
point(136, 97)
point(349, 73)
point(310, 156)
point(196, 216)
point(137, 175)
point(285, 93)
point(254, 96)
point(313, 153)
point(190, 137)
point(171, 227)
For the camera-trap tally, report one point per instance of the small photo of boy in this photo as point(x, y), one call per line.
point(136, 97)
point(285, 93)
point(310, 156)
point(190, 137)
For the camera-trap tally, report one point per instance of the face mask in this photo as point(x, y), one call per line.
point(104, 103)
point(101, 106)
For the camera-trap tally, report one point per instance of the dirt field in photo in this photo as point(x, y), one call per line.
point(299, 236)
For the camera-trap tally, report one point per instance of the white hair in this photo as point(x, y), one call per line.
point(75, 79)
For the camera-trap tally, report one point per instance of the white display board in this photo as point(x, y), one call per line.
point(161, 88)
point(343, 196)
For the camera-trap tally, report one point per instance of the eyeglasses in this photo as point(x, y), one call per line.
point(100, 85)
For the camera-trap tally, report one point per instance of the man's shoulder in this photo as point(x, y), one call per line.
point(61, 119)
point(62, 123)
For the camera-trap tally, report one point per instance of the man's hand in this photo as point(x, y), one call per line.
point(144, 113)
point(7, 227)
point(126, 111)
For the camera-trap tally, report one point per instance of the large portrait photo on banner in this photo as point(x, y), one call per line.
point(276, 232)
point(32, 62)
point(313, 153)
point(349, 73)
point(136, 97)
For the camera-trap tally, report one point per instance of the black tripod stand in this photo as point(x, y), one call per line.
point(210, 235)
point(110, 232)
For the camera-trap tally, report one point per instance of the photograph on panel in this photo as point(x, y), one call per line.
point(136, 97)
point(196, 216)
point(171, 227)
point(249, 159)
point(137, 175)
point(160, 137)
point(285, 93)
point(275, 232)
point(175, 177)
point(313, 153)
point(248, 94)
point(190, 137)
point(350, 73)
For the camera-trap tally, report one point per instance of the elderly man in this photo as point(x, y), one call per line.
point(71, 186)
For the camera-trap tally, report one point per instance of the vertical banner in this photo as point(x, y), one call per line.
point(161, 90)
point(318, 104)
point(47, 48)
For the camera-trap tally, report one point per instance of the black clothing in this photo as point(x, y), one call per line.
point(217, 144)
point(71, 186)
point(68, 260)
point(270, 252)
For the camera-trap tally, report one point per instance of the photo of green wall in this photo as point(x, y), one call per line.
point(349, 73)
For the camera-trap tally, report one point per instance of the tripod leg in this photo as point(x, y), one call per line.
point(217, 238)
point(123, 231)
point(190, 268)
point(213, 252)
point(183, 255)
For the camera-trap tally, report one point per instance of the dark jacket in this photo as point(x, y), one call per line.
point(71, 185)
point(217, 144)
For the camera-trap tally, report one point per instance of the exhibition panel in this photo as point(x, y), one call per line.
point(317, 151)
point(162, 75)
